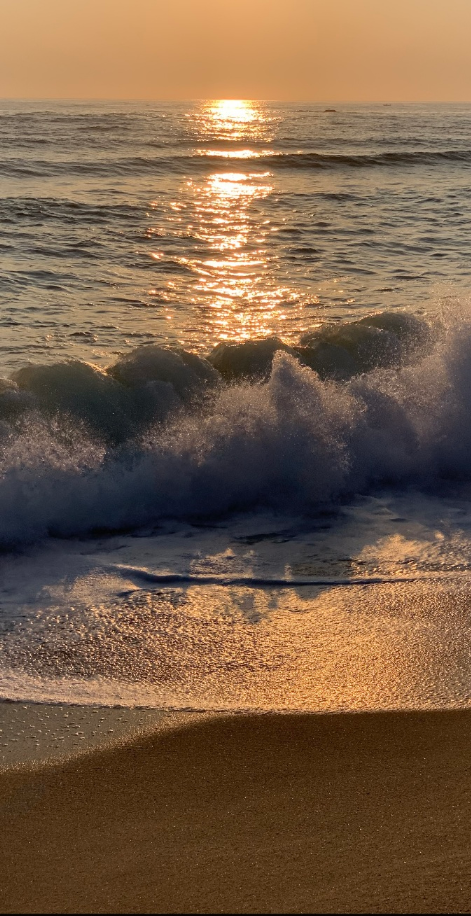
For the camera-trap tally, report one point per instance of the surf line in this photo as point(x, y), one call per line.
point(170, 578)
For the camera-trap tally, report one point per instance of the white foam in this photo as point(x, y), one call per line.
point(293, 444)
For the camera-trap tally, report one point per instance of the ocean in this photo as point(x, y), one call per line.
point(235, 413)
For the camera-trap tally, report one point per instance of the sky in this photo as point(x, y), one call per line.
point(313, 50)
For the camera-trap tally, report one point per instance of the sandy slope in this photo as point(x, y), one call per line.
point(249, 813)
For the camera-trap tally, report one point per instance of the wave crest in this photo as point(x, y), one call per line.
point(285, 438)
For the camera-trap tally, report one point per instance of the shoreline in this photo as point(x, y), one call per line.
point(246, 813)
point(34, 733)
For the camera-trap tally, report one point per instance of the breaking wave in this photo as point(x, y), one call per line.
point(167, 433)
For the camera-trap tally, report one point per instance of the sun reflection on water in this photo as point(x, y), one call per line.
point(235, 279)
point(229, 269)
point(234, 119)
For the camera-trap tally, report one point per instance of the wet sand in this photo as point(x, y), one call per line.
point(35, 733)
point(246, 813)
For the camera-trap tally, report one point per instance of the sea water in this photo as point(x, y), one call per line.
point(235, 415)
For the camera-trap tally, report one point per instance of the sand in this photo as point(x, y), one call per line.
point(32, 733)
point(247, 813)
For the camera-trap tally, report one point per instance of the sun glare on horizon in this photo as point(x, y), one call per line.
point(236, 111)
point(232, 119)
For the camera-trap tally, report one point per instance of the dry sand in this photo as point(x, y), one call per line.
point(246, 813)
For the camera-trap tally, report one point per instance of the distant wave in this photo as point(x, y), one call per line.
point(15, 210)
point(368, 160)
point(314, 160)
point(48, 168)
point(166, 433)
point(195, 162)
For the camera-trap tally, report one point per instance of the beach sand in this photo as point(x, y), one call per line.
point(32, 733)
point(248, 813)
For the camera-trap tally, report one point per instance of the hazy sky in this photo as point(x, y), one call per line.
point(279, 49)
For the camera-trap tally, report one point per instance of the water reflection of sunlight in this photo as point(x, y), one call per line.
point(222, 253)
point(236, 281)
point(428, 553)
point(236, 278)
point(233, 110)
point(233, 119)
point(235, 153)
